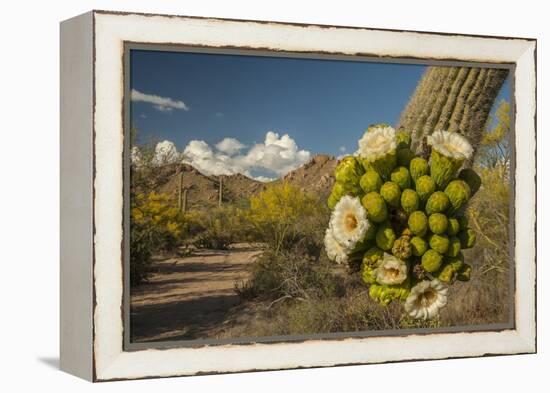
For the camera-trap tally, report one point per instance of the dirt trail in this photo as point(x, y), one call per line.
point(189, 297)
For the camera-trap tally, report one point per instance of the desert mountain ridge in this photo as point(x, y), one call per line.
point(315, 176)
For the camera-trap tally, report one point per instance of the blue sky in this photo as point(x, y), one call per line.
point(323, 105)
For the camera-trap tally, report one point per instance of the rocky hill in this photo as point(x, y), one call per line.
point(315, 176)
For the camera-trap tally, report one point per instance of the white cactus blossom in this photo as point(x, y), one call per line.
point(335, 251)
point(349, 221)
point(377, 142)
point(392, 270)
point(426, 299)
point(451, 144)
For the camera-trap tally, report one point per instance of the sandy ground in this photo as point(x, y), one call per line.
point(189, 297)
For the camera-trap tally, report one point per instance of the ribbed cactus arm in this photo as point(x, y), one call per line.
point(457, 99)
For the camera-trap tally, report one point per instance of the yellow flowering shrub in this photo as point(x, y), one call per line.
point(156, 226)
point(280, 212)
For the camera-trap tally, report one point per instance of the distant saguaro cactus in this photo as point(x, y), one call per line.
point(220, 192)
point(457, 99)
point(180, 186)
point(184, 202)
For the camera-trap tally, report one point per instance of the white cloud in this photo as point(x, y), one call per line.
point(166, 153)
point(197, 150)
point(136, 156)
point(163, 104)
point(200, 155)
point(342, 149)
point(277, 156)
point(273, 158)
point(264, 179)
point(229, 146)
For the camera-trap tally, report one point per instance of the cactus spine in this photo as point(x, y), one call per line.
point(457, 99)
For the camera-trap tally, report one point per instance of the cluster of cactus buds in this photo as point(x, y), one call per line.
point(415, 216)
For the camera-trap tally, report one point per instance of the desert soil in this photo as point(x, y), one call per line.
point(190, 297)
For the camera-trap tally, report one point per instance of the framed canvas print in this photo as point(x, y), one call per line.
point(246, 195)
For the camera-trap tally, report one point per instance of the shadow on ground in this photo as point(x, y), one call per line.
point(189, 297)
point(181, 320)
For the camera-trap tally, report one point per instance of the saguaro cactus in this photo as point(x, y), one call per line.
point(180, 186)
point(184, 202)
point(220, 192)
point(457, 99)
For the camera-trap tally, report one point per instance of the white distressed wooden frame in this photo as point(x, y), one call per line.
point(92, 88)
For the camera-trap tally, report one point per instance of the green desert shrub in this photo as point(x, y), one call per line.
point(291, 274)
point(221, 227)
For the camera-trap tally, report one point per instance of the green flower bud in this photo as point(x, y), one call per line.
point(431, 261)
point(467, 238)
point(332, 201)
point(459, 193)
point(425, 186)
point(454, 227)
point(402, 247)
point(400, 175)
point(418, 246)
point(463, 222)
point(385, 294)
point(447, 274)
point(348, 170)
point(391, 193)
point(404, 156)
point(370, 182)
point(385, 236)
point(457, 261)
point(374, 291)
point(454, 247)
point(365, 164)
point(438, 202)
point(373, 257)
point(443, 169)
point(409, 200)
point(418, 168)
point(450, 270)
point(418, 223)
point(471, 178)
point(465, 273)
point(368, 274)
point(438, 223)
point(403, 139)
point(375, 206)
point(339, 190)
point(371, 260)
point(439, 243)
